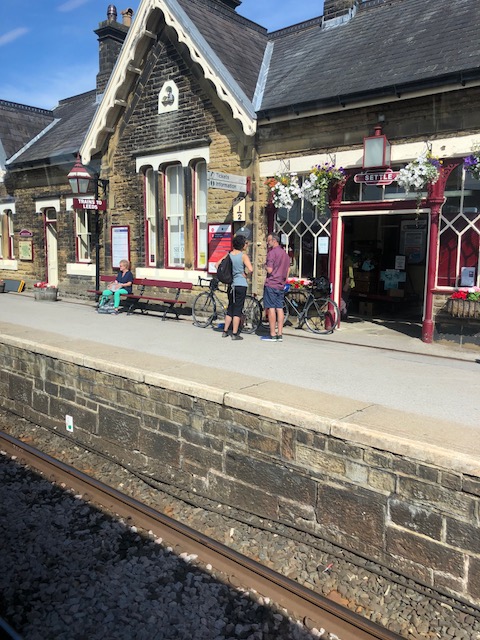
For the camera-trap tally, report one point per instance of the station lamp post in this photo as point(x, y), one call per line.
point(82, 182)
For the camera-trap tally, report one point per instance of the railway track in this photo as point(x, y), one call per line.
point(314, 610)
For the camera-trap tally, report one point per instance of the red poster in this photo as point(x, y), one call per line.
point(219, 243)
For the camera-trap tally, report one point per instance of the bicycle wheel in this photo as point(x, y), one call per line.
point(203, 310)
point(321, 315)
point(264, 319)
point(252, 315)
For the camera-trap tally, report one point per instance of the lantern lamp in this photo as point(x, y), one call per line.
point(79, 178)
point(376, 150)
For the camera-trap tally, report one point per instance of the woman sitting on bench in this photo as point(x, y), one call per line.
point(122, 285)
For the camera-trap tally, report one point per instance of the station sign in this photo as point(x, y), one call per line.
point(387, 176)
point(226, 181)
point(90, 203)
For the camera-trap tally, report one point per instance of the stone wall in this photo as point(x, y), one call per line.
point(420, 519)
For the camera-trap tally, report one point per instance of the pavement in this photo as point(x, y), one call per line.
point(371, 382)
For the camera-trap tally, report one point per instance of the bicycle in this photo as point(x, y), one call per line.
point(208, 307)
point(319, 312)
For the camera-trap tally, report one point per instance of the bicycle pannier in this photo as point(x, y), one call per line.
point(225, 271)
point(322, 285)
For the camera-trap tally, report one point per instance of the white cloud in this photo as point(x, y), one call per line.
point(71, 5)
point(11, 36)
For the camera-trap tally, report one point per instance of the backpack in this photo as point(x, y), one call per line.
point(225, 270)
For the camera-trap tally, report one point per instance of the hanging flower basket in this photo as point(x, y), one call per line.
point(284, 190)
point(464, 304)
point(315, 187)
point(472, 162)
point(419, 174)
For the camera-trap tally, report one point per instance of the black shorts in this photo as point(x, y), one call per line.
point(236, 300)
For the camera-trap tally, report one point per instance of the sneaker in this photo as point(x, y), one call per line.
point(235, 336)
point(269, 338)
point(225, 334)
point(280, 338)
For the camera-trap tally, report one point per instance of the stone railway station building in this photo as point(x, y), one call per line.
point(196, 107)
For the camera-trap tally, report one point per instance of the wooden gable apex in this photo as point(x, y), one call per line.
point(133, 52)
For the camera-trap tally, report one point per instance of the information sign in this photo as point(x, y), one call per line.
point(218, 180)
point(386, 176)
point(90, 203)
point(219, 243)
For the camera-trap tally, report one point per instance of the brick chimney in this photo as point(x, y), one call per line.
point(336, 8)
point(111, 35)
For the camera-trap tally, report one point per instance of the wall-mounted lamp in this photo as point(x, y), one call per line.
point(376, 150)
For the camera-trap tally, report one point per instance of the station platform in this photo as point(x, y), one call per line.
point(374, 383)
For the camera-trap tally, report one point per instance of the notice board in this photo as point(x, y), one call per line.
point(120, 245)
point(219, 243)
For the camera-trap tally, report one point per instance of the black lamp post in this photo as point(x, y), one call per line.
point(81, 183)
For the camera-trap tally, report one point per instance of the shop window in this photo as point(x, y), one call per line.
point(82, 232)
point(6, 235)
point(174, 214)
point(151, 216)
point(307, 237)
point(200, 213)
point(459, 229)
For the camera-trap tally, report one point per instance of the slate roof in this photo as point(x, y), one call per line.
point(386, 48)
point(238, 42)
point(19, 123)
point(63, 139)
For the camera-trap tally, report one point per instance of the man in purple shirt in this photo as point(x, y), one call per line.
point(277, 266)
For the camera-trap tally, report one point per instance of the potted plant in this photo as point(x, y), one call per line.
point(284, 190)
point(45, 291)
point(418, 174)
point(315, 187)
point(464, 303)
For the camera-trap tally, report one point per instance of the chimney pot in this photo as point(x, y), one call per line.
point(127, 17)
point(112, 13)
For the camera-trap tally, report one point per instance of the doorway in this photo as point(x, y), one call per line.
point(51, 246)
point(386, 253)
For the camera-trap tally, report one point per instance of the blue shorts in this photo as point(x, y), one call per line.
point(273, 298)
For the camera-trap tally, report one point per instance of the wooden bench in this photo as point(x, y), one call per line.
point(142, 300)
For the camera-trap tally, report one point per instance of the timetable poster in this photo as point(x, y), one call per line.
point(219, 243)
point(120, 245)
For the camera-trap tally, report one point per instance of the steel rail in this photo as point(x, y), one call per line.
point(240, 571)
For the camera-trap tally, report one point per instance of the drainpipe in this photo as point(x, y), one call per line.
point(434, 202)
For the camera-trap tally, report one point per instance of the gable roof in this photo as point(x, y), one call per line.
point(213, 37)
point(386, 50)
point(19, 123)
point(61, 139)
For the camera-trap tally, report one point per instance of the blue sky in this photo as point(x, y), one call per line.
point(48, 50)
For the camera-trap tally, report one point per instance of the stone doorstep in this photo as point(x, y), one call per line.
point(424, 439)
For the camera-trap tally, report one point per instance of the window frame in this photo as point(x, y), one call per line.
point(6, 215)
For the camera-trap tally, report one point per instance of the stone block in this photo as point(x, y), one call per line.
point(201, 440)
point(423, 551)
point(20, 389)
point(320, 460)
point(432, 495)
point(269, 477)
point(195, 459)
point(250, 499)
point(82, 418)
point(471, 485)
point(381, 480)
point(159, 447)
point(356, 512)
point(416, 519)
point(119, 427)
point(474, 578)
point(345, 449)
point(463, 535)
point(269, 446)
